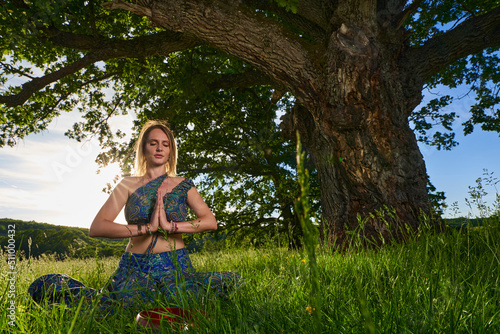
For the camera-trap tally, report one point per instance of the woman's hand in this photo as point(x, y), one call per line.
point(158, 213)
point(159, 217)
point(164, 223)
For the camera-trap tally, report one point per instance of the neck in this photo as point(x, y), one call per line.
point(153, 173)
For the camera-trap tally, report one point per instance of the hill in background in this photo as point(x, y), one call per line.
point(33, 238)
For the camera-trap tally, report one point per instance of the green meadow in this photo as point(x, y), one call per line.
point(435, 282)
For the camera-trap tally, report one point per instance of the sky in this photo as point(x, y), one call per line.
point(50, 178)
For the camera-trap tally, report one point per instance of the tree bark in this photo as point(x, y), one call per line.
point(371, 173)
point(373, 169)
point(372, 176)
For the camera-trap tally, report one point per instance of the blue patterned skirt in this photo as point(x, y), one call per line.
point(140, 279)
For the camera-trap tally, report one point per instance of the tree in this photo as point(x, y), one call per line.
point(355, 69)
point(249, 171)
point(231, 138)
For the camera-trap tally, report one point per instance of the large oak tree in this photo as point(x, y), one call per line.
point(355, 69)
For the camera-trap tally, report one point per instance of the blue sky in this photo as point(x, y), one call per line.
point(454, 171)
point(50, 178)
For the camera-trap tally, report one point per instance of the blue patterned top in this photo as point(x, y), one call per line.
point(140, 204)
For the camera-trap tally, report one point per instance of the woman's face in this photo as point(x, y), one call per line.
point(157, 148)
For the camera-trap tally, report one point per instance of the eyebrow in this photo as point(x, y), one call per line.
point(156, 140)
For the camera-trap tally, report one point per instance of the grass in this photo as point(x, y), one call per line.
point(446, 282)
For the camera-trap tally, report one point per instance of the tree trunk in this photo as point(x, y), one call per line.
point(374, 168)
point(371, 173)
point(354, 91)
point(372, 178)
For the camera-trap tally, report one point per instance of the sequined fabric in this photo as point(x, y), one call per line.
point(140, 279)
point(143, 277)
point(140, 204)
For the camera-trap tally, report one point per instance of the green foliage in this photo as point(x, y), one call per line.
point(479, 72)
point(289, 5)
point(437, 199)
point(430, 116)
point(433, 16)
point(28, 53)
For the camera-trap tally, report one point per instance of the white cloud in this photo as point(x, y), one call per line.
point(50, 178)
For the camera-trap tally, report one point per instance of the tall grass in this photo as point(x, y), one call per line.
point(446, 283)
point(311, 238)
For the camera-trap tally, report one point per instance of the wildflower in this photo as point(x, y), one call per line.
point(287, 257)
point(447, 225)
point(303, 261)
point(419, 235)
point(310, 309)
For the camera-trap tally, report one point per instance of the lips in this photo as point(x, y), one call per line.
point(158, 156)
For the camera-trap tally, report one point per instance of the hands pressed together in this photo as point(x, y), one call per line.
point(159, 218)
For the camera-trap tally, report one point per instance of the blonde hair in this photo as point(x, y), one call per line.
point(140, 160)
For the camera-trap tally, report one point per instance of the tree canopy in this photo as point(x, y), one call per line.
point(235, 78)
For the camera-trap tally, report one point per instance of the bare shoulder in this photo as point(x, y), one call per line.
point(129, 180)
point(129, 183)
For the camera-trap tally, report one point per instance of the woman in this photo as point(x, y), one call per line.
point(155, 262)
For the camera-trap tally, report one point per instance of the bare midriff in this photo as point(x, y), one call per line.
point(140, 244)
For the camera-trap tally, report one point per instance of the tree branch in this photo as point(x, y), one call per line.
point(317, 11)
point(311, 17)
point(470, 37)
point(131, 7)
point(238, 30)
point(31, 87)
point(401, 19)
point(160, 44)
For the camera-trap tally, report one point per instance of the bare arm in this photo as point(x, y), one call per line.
point(206, 219)
point(104, 225)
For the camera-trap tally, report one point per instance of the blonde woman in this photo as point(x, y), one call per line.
point(156, 203)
